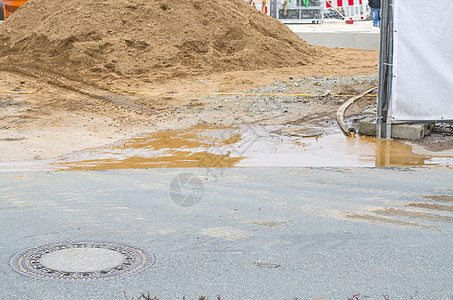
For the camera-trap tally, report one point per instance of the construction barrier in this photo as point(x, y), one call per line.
point(352, 9)
point(10, 6)
point(297, 11)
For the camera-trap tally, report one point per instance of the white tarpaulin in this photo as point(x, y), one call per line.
point(423, 60)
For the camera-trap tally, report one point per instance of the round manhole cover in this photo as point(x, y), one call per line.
point(81, 260)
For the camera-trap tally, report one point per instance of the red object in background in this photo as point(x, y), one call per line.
point(10, 6)
point(351, 2)
point(350, 21)
point(339, 3)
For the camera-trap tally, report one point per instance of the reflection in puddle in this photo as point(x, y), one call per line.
point(240, 146)
point(200, 146)
point(208, 146)
point(334, 150)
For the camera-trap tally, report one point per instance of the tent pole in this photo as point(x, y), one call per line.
point(389, 78)
point(382, 68)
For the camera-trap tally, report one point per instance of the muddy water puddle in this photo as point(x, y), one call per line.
point(200, 146)
point(239, 146)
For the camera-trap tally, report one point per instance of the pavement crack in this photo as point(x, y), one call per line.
point(57, 232)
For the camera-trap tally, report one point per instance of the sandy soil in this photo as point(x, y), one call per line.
point(62, 115)
point(85, 74)
point(57, 115)
point(150, 40)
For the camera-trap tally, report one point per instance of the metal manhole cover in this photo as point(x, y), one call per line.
point(71, 261)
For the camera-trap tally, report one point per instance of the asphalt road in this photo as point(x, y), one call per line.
point(256, 233)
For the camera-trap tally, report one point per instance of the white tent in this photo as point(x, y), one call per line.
point(419, 51)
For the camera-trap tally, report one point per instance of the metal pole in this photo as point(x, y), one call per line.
point(273, 9)
point(382, 59)
point(389, 69)
point(385, 68)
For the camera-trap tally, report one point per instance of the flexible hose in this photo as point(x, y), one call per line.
point(349, 131)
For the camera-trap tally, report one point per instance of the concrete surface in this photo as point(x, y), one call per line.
point(409, 131)
point(336, 33)
point(257, 233)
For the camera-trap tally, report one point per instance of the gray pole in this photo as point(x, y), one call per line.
point(273, 9)
point(382, 59)
point(385, 68)
point(390, 69)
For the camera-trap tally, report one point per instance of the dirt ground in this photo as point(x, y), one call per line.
point(150, 40)
point(86, 74)
point(45, 115)
point(61, 115)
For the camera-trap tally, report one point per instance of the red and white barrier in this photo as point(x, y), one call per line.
point(353, 9)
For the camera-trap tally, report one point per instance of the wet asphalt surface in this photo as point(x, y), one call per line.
point(256, 233)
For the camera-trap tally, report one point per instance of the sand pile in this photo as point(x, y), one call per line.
point(146, 38)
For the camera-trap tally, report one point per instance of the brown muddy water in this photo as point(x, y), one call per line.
point(238, 146)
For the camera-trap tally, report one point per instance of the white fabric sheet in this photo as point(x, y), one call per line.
point(423, 60)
